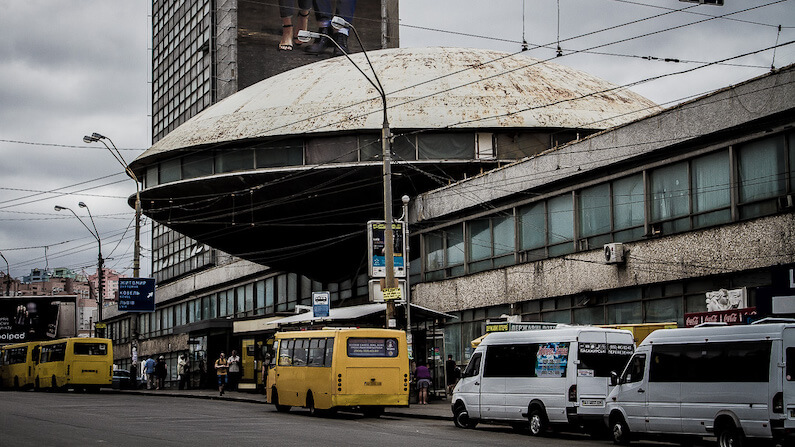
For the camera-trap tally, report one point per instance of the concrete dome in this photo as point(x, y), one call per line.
point(426, 88)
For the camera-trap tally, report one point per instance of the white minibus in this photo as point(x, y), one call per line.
point(540, 378)
point(731, 382)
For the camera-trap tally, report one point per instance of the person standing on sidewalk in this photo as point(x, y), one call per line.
point(234, 370)
point(222, 370)
point(161, 371)
point(423, 382)
point(149, 370)
point(183, 366)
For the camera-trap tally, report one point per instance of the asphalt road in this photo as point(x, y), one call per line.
point(75, 419)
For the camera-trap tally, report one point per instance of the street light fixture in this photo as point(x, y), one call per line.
point(96, 137)
point(94, 233)
point(386, 155)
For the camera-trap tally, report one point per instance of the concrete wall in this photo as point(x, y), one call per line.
point(731, 248)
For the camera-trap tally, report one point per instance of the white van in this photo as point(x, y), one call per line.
point(541, 377)
point(730, 382)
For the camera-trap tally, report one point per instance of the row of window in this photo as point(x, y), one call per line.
point(279, 293)
point(306, 352)
point(312, 151)
point(734, 183)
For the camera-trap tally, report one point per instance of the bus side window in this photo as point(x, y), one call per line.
point(635, 369)
point(300, 352)
point(285, 359)
point(317, 350)
point(329, 352)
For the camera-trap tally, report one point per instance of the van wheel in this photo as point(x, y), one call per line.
point(275, 399)
point(620, 431)
point(461, 418)
point(730, 437)
point(538, 422)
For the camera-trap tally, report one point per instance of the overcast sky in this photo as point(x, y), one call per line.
point(73, 67)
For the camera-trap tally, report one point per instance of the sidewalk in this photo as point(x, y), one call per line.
point(438, 409)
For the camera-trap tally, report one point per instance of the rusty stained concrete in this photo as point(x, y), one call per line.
point(732, 248)
point(427, 88)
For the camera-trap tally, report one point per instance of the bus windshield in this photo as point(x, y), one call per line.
point(602, 358)
point(91, 349)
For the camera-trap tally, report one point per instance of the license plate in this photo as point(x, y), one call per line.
point(592, 403)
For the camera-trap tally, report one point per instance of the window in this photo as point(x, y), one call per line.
point(300, 352)
point(446, 146)
point(473, 367)
point(444, 253)
point(491, 242)
point(533, 229)
point(511, 360)
point(560, 225)
point(603, 358)
point(229, 160)
point(170, 170)
point(317, 352)
point(635, 369)
point(711, 189)
point(742, 361)
point(282, 153)
point(91, 348)
point(285, 352)
point(594, 214)
point(761, 168)
point(670, 197)
point(197, 165)
point(53, 353)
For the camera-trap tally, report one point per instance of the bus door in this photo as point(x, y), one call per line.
point(248, 378)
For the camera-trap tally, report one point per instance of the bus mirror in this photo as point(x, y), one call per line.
point(613, 378)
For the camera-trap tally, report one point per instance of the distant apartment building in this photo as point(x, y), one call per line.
point(110, 285)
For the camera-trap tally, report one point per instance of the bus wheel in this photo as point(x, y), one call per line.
point(275, 399)
point(730, 436)
point(310, 404)
point(461, 418)
point(373, 412)
point(620, 430)
point(538, 422)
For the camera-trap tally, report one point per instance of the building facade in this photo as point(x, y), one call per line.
point(692, 200)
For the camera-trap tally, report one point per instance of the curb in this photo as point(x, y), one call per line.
point(390, 412)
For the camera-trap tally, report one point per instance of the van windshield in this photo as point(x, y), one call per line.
point(603, 358)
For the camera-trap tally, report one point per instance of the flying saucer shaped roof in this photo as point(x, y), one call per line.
point(426, 88)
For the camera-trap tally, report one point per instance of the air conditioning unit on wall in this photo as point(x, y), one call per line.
point(614, 253)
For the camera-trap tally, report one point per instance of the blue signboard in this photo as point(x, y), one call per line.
point(136, 294)
point(321, 304)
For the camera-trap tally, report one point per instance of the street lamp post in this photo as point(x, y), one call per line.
point(95, 137)
point(94, 233)
point(386, 154)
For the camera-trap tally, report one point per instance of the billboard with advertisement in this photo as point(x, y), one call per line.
point(375, 249)
point(25, 319)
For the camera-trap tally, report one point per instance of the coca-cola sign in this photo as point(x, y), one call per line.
point(732, 316)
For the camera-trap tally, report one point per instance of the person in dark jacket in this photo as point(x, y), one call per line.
point(161, 371)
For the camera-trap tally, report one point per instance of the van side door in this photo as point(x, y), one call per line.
point(664, 388)
point(788, 387)
point(632, 393)
point(468, 388)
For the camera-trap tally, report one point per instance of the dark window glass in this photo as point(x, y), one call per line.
point(317, 352)
point(635, 369)
point(511, 360)
point(282, 153)
point(443, 146)
point(372, 347)
point(603, 358)
point(285, 354)
point(91, 348)
point(170, 171)
point(332, 150)
point(53, 353)
point(230, 160)
point(300, 352)
point(473, 367)
point(746, 361)
point(197, 165)
point(329, 351)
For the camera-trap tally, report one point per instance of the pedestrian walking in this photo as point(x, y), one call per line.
point(222, 370)
point(149, 371)
point(234, 370)
point(161, 371)
point(183, 368)
point(453, 373)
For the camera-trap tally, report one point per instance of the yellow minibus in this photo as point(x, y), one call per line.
point(78, 363)
point(330, 369)
point(18, 365)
